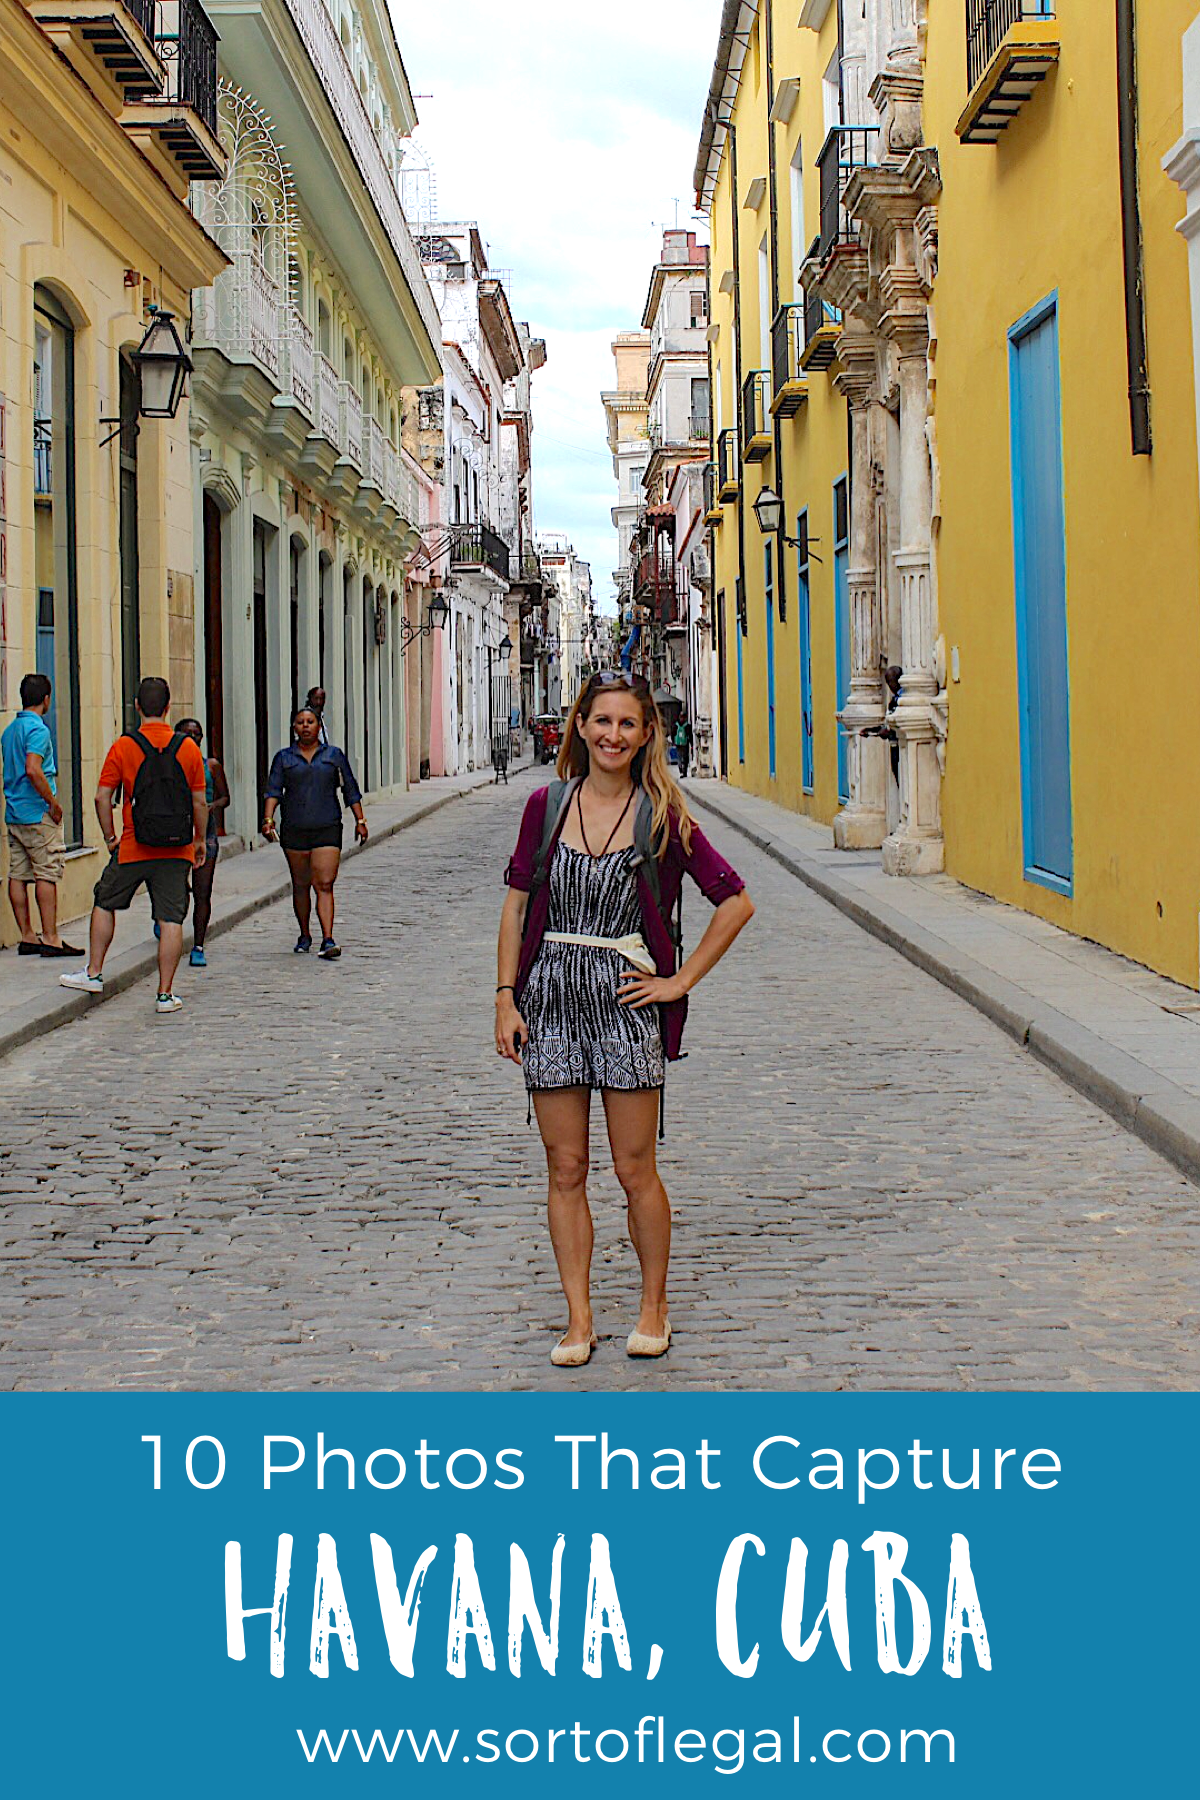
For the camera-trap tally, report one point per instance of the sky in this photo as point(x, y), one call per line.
point(569, 133)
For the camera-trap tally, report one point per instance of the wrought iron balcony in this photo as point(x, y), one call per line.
point(526, 571)
point(479, 547)
point(712, 511)
point(756, 430)
point(116, 35)
point(1011, 48)
point(727, 464)
point(182, 118)
point(848, 147)
point(822, 324)
point(787, 370)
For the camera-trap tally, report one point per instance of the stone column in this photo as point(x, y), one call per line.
point(238, 656)
point(916, 846)
point(862, 822)
point(335, 639)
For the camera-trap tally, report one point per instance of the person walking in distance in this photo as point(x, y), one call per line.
point(683, 744)
point(588, 992)
point(159, 774)
point(216, 794)
point(309, 780)
point(33, 818)
point(316, 699)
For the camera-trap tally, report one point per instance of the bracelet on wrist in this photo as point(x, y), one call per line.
point(506, 988)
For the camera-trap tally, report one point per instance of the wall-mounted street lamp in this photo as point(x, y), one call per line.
point(768, 510)
point(505, 646)
point(437, 612)
point(163, 366)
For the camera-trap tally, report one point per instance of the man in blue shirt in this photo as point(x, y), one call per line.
point(33, 819)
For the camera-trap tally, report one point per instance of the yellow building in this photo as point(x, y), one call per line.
point(1070, 585)
point(779, 415)
point(998, 268)
point(102, 126)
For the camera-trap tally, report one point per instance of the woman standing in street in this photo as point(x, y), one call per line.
point(310, 779)
point(203, 874)
point(588, 993)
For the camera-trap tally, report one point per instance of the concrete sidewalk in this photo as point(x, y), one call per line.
point(32, 1002)
point(1125, 1037)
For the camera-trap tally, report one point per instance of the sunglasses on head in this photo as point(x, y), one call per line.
point(637, 684)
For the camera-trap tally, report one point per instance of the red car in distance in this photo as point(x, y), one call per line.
point(547, 736)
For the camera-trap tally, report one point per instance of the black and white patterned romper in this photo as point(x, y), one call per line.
point(579, 1033)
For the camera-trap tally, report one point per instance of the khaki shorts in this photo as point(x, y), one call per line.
point(36, 852)
point(166, 879)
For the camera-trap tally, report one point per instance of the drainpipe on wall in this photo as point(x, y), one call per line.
point(773, 175)
point(739, 414)
point(1131, 229)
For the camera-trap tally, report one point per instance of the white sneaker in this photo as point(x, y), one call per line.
point(167, 1003)
point(87, 984)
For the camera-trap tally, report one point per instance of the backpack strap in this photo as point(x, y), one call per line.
point(559, 796)
point(648, 861)
point(170, 748)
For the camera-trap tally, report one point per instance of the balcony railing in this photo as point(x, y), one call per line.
point(264, 301)
point(373, 456)
point(848, 147)
point(756, 430)
point(328, 418)
point(526, 569)
point(727, 464)
point(186, 40)
point(989, 22)
point(478, 547)
point(300, 361)
point(788, 343)
point(351, 423)
point(321, 40)
point(712, 512)
point(822, 323)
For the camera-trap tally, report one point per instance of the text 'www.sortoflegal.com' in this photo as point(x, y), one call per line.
point(652, 1742)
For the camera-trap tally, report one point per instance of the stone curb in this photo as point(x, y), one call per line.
point(22, 1024)
point(1164, 1116)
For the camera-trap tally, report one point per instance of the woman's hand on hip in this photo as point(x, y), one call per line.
point(637, 990)
point(512, 1033)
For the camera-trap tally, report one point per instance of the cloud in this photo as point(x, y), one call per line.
point(569, 134)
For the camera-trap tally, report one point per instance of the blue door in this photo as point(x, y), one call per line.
point(769, 589)
point(806, 727)
point(739, 633)
point(841, 621)
point(1039, 535)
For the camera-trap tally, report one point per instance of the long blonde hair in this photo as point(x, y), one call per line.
point(650, 768)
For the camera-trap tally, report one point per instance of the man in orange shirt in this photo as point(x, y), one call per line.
point(161, 780)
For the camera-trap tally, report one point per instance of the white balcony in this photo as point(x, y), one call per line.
point(328, 416)
point(351, 425)
point(343, 181)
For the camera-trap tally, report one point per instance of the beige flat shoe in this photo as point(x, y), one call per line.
point(639, 1343)
point(573, 1356)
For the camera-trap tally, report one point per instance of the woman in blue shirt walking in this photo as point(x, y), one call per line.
point(310, 780)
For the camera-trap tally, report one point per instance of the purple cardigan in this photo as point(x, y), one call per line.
point(711, 873)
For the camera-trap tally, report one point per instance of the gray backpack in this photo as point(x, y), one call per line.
point(559, 796)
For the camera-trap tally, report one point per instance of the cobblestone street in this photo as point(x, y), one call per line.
point(320, 1175)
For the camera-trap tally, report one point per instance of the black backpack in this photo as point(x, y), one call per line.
point(161, 799)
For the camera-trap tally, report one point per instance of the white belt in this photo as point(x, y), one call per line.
point(632, 948)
